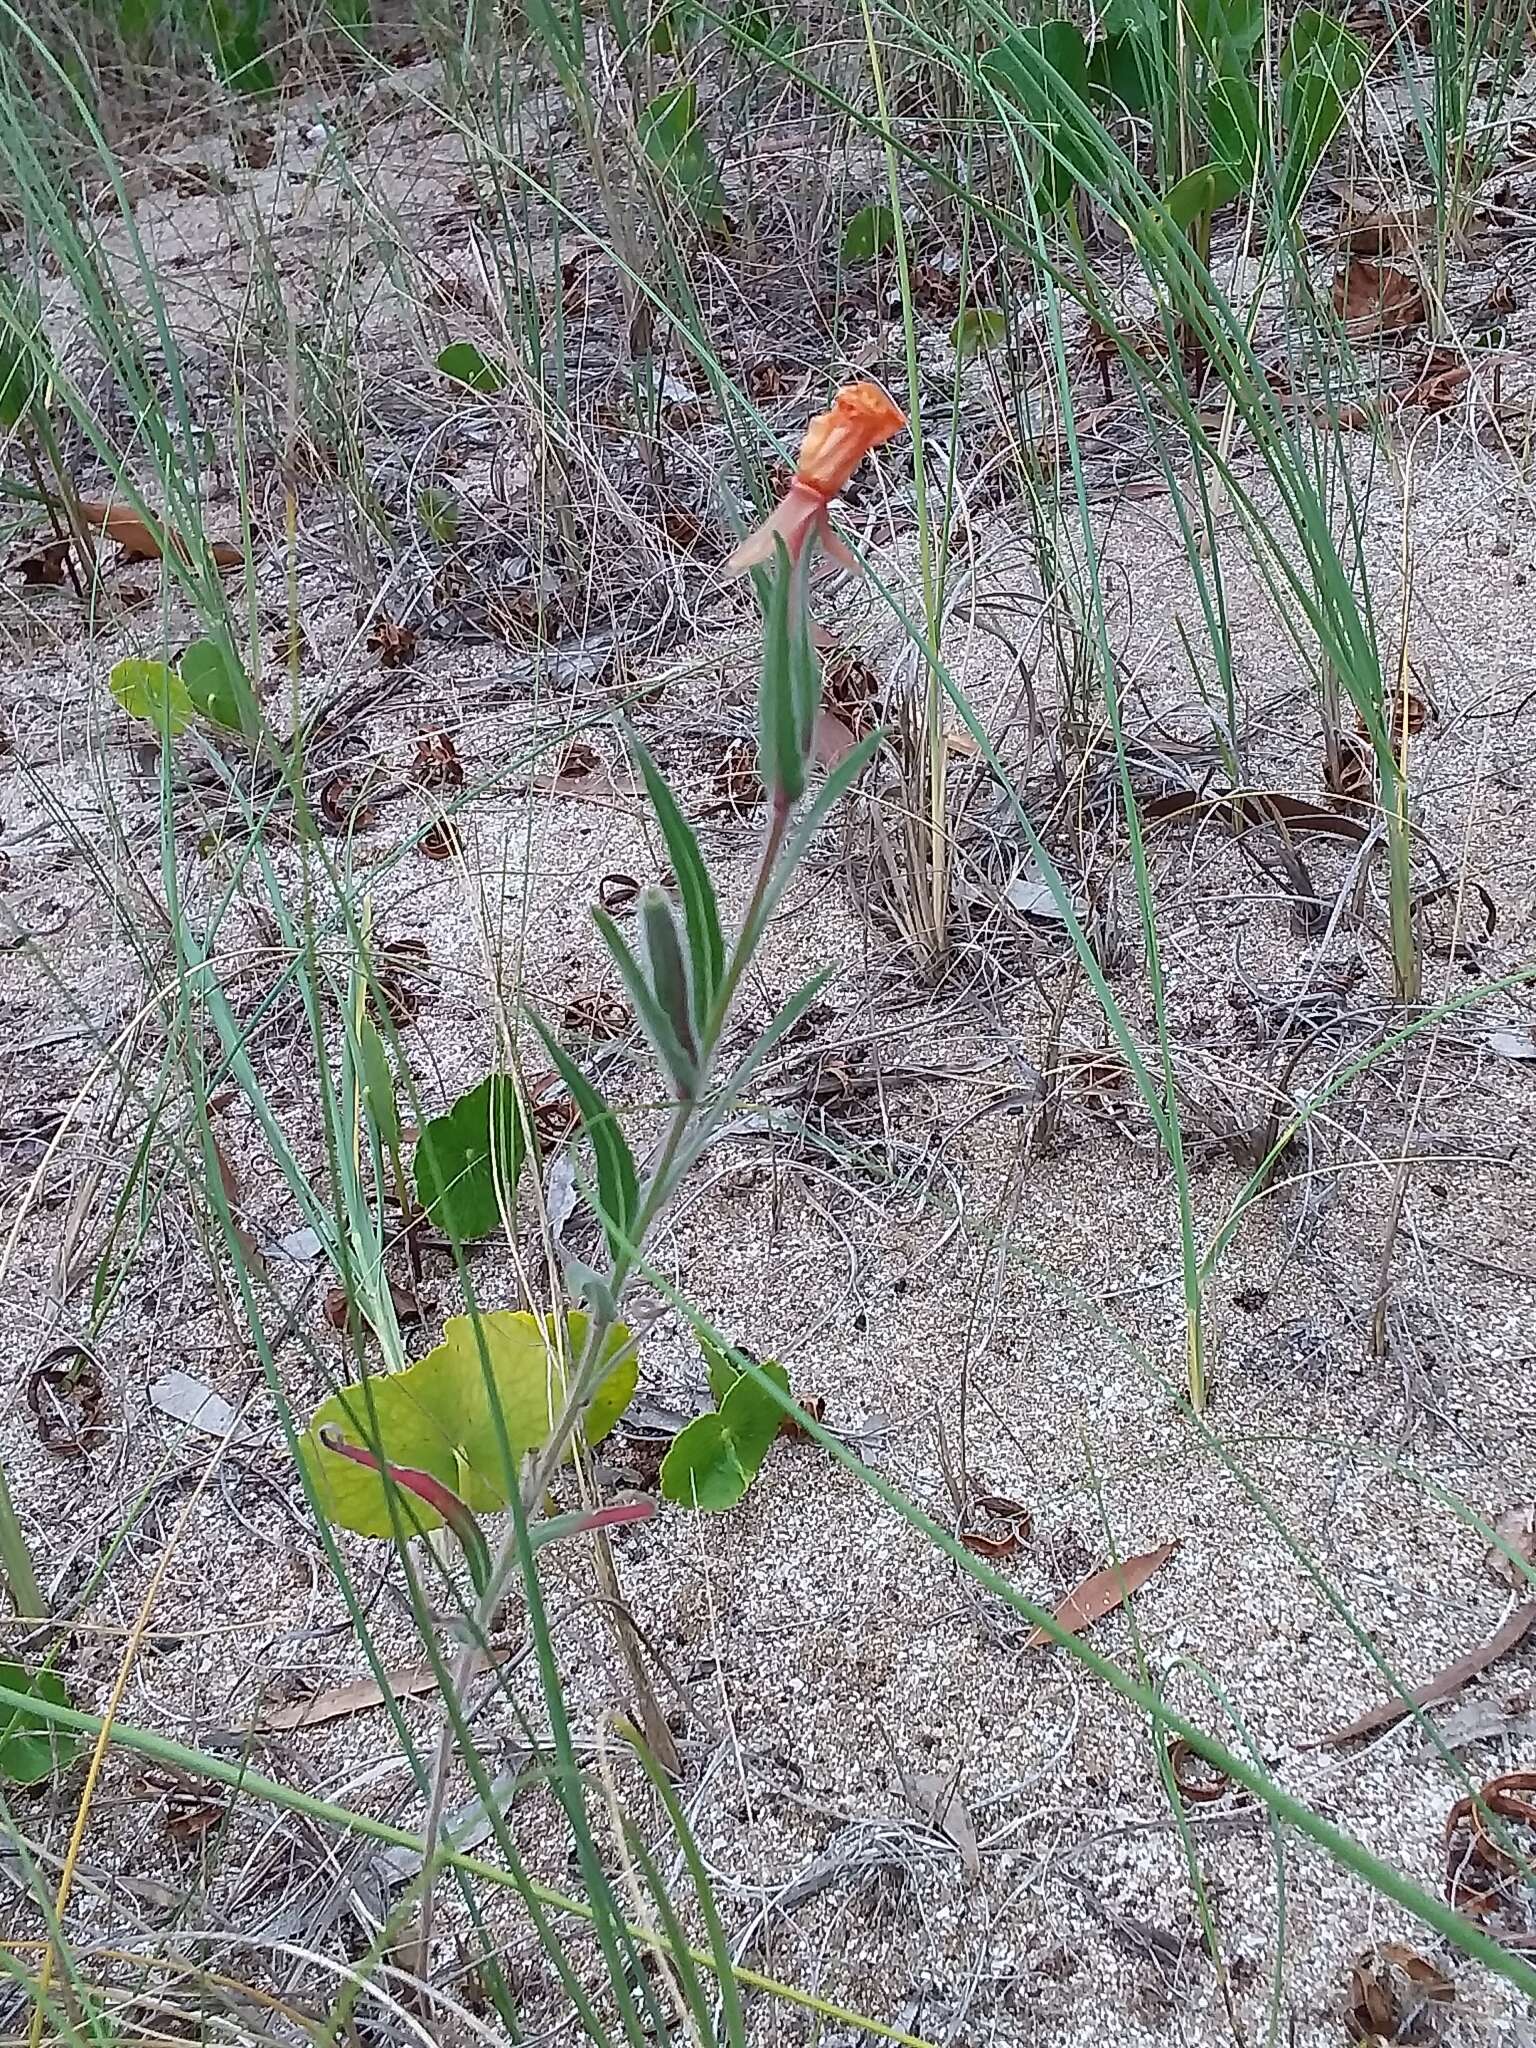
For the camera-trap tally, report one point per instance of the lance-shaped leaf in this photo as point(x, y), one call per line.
point(701, 914)
point(618, 1182)
point(657, 1023)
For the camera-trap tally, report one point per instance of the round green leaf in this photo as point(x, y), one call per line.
point(31, 1748)
point(461, 1153)
point(150, 689)
point(462, 363)
point(978, 329)
point(869, 231)
point(445, 1415)
point(716, 1457)
point(214, 684)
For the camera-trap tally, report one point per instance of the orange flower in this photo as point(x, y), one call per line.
point(836, 442)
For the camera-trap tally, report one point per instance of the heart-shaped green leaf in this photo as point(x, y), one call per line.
point(462, 363)
point(31, 1748)
point(468, 1155)
point(152, 690)
point(445, 1415)
point(716, 1457)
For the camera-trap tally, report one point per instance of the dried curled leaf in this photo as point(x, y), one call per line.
point(1198, 1782)
point(1376, 299)
point(108, 520)
point(1515, 1528)
point(1389, 1986)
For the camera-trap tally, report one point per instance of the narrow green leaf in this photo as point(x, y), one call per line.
point(1322, 67)
point(437, 512)
point(701, 914)
point(654, 1021)
point(24, 357)
point(1193, 196)
point(672, 136)
point(1231, 108)
point(781, 761)
point(703, 1891)
point(378, 1086)
point(978, 329)
point(618, 1182)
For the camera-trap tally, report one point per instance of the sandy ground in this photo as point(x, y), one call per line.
point(965, 1301)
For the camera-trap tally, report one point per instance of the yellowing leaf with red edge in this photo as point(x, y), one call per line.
point(1102, 1592)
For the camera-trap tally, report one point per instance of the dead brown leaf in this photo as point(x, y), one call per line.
point(1018, 1525)
point(831, 741)
point(1391, 231)
point(1410, 712)
point(1352, 778)
point(1102, 1592)
point(66, 1394)
point(1444, 1683)
point(393, 643)
point(440, 841)
point(1388, 1988)
point(1442, 377)
point(521, 617)
point(684, 529)
point(1374, 298)
point(1243, 811)
point(254, 148)
point(123, 526)
point(552, 1109)
point(1482, 1876)
point(1198, 1783)
point(850, 689)
point(579, 771)
point(736, 783)
point(43, 567)
point(771, 378)
point(339, 1701)
point(815, 1407)
point(935, 1799)
point(341, 806)
point(593, 1014)
point(400, 970)
point(1515, 1527)
point(339, 1313)
point(437, 764)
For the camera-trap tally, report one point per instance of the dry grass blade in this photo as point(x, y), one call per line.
point(1102, 1592)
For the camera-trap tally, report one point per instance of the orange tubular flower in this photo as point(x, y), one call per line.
point(836, 442)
